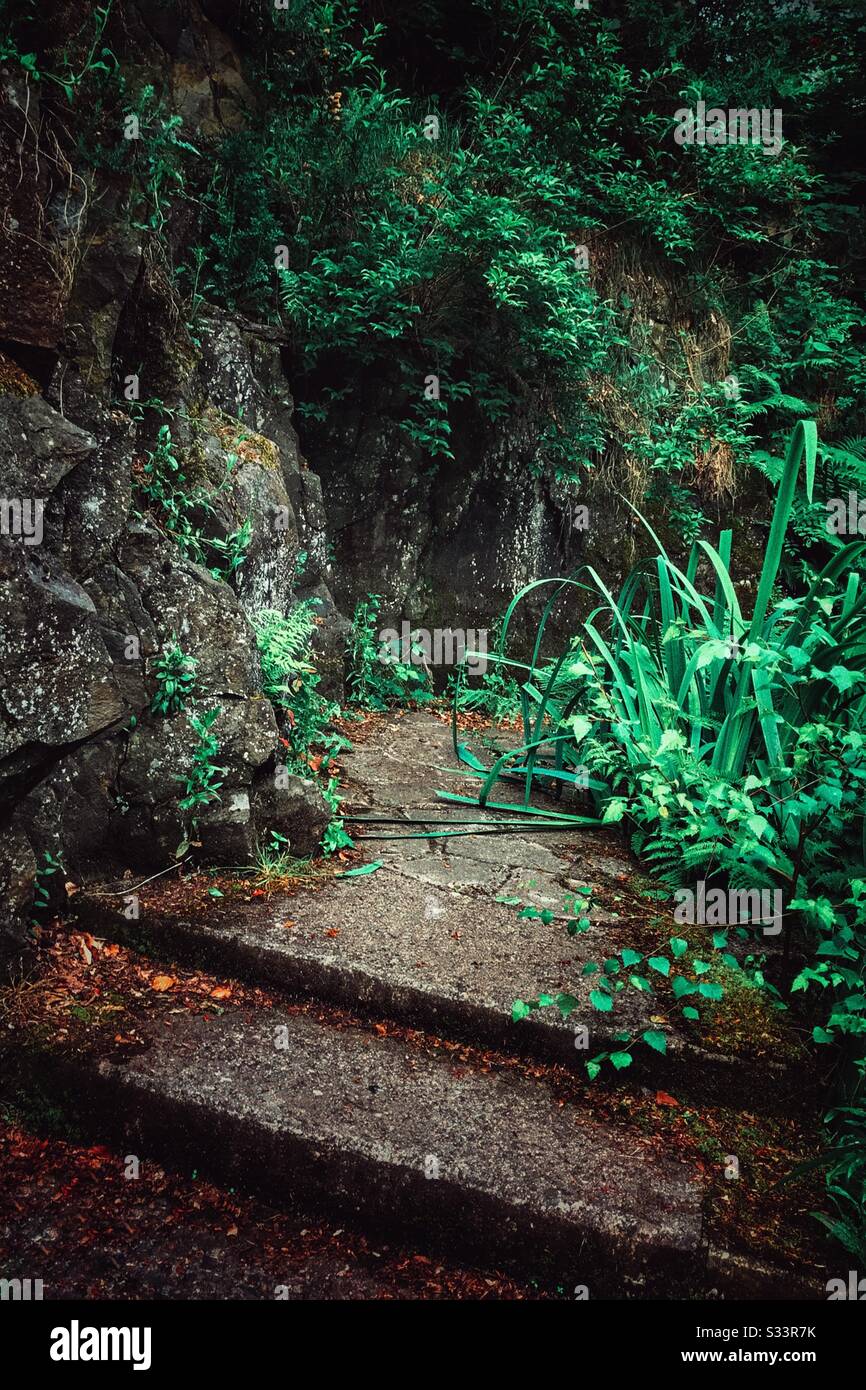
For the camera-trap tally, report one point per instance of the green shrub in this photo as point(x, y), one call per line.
point(378, 679)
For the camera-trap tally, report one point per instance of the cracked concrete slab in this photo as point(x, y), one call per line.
point(488, 1164)
point(424, 940)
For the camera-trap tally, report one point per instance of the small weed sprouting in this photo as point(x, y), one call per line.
point(175, 680)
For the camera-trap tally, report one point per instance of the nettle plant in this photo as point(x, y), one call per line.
point(180, 507)
point(377, 678)
point(174, 671)
point(49, 866)
point(336, 837)
point(674, 962)
point(205, 777)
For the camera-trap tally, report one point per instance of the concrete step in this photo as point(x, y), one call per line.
point(477, 1165)
point(444, 958)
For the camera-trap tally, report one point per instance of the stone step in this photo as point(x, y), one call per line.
point(479, 1165)
point(442, 958)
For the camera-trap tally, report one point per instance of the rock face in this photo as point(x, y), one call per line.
point(441, 545)
point(90, 594)
point(95, 584)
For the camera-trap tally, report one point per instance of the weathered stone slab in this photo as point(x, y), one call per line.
point(449, 961)
point(425, 941)
point(489, 1166)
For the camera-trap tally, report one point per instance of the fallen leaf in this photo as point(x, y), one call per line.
point(662, 1098)
point(221, 992)
point(162, 982)
point(362, 869)
point(332, 931)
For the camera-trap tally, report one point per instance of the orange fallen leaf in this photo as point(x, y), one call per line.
point(662, 1098)
point(288, 922)
point(111, 950)
point(332, 931)
point(221, 992)
point(162, 982)
point(232, 1231)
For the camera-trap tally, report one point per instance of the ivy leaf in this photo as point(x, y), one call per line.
point(661, 964)
point(710, 991)
point(630, 957)
point(621, 1060)
point(678, 946)
point(520, 1010)
point(701, 967)
point(820, 1035)
point(593, 1069)
point(653, 1038)
point(689, 1012)
point(602, 1002)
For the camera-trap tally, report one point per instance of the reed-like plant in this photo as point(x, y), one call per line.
point(683, 708)
point(732, 743)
